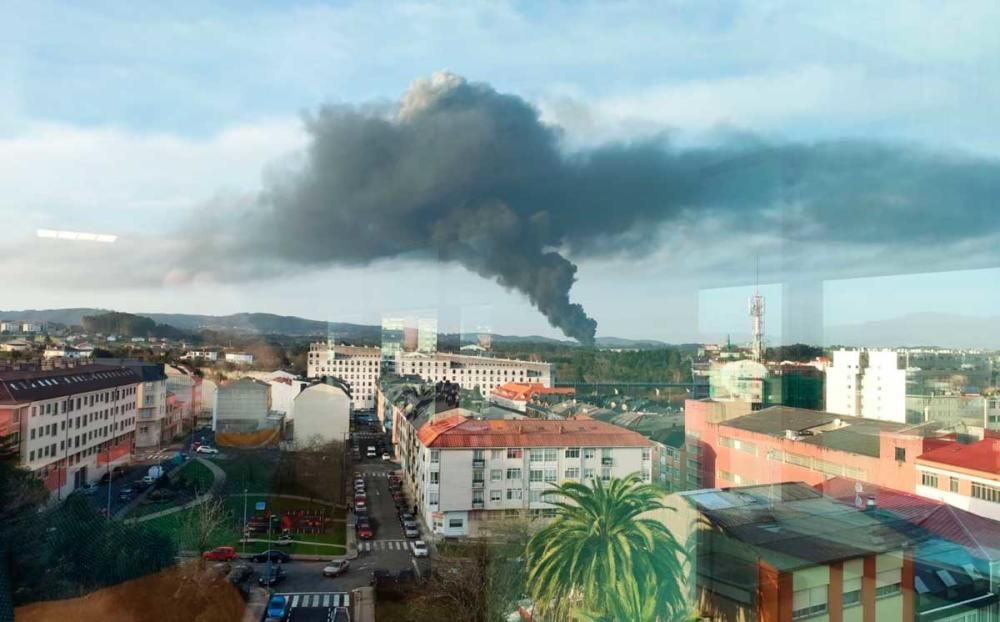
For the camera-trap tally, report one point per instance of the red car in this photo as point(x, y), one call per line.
point(220, 554)
point(365, 531)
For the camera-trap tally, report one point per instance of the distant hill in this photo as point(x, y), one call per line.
point(920, 329)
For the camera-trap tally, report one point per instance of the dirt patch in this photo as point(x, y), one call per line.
point(191, 592)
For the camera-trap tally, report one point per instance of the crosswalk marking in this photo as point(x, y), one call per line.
point(319, 599)
point(384, 545)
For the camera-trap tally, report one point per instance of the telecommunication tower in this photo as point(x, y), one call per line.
point(757, 313)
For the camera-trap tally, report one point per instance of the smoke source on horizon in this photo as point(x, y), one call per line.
point(458, 172)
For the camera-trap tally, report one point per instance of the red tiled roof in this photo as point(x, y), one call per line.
point(523, 391)
point(455, 432)
point(982, 456)
point(976, 533)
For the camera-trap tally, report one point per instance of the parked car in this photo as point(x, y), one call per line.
point(386, 456)
point(336, 567)
point(406, 517)
point(371, 452)
point(360, 497)
point(273, 554)
point(88, 489)
point(420, 548)
point(271, 577)
point(411, 531)
point(361, 505)
point(365, 531)
point(220, 554)
point(277, 607)
point(206, 449)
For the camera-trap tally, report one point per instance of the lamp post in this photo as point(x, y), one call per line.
point(245, 521)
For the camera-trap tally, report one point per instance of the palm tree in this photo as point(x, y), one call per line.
point(601, 560)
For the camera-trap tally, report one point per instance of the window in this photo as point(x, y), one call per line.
point(588, 474)
point(456, 523)
point(31, 455)
point(535, 455)
point(433, 498)
point(953, 484)
point(515, 452)
point(435, 477)
point(550, 475)
point(477, 496)
point(478, 454)
point(551, 455)
point(645, 454)
point(496, 454)
point(605, 453)
point(929, 479)
point(435, 456)
point(535, 475)
point(572, 452)
point(852, 592)
point(496, 475)
point(589, 452)
point(887, 583)
point(513, 494)
point(534, 496)
point(513, 473)
point(606, 474)
point(985, 492)
point(900, 454)
point(495, 496)
point(809, 602)
point(572, 473)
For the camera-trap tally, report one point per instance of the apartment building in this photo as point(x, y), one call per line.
point(70, 426)
point(358, 366)
point(186, 387)
point(206, 355)
point(152, 427)
point(361, 367)
point(867, 383)
point(964, 476)
point(781, 444)
point(242, 406)
point(239, 358)
point(465, 474)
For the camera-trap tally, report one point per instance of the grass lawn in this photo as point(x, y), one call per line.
point(194, 471)
point(173, 526)
point(247, 470)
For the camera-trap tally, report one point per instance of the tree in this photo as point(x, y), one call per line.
point(600, 559)
point(203, 523)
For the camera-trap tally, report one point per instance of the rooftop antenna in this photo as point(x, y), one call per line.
point(757, 313)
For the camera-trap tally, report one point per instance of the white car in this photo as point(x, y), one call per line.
point(386, 457)
point(419, 548)
point(336, 567)
point(205, 449)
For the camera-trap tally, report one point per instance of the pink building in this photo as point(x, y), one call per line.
point(964, 476)
point(781, 444)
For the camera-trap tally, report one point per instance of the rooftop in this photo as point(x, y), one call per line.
point(20, 387)
point(523, 391)
point(856, 435)
point(791, 525)
point(982, 456)
point(458, 431)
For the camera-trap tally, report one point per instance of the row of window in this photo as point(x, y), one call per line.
point(543, 455)
point(813, 601)
point(71, 404)
point(986, 492)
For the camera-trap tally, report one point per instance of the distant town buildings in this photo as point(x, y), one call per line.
point(239, 358)
point(207, 355)
point(70, 426)
point(66, 352)
point(361, 367)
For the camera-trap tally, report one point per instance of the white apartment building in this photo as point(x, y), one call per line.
point(360, 368)
point(72, 425)
point(208, 355)
point(66, 352)
point(465, 474)
point(867, 383)
point(242, 406)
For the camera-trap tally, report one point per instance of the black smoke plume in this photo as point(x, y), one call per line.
point(459, 172)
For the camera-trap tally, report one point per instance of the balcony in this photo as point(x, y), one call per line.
point(478, 484)
point(478, 464)
point(607, 461)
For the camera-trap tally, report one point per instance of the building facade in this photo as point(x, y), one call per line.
point(358, 366)
point(239, 358)
point(70, 426)
point(322, 414)
point(186, 387)
point(466, 474)
point(242, 406)
point(151, 401)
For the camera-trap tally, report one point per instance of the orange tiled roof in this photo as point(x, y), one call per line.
point(457, 432)
point(522, 391)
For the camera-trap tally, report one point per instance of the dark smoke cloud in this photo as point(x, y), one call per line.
point(459, 172)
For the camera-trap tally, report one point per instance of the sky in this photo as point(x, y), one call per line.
point(149, 121)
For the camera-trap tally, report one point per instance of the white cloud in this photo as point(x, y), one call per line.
point(57, 174)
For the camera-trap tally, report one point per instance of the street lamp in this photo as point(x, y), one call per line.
point(245, 520)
